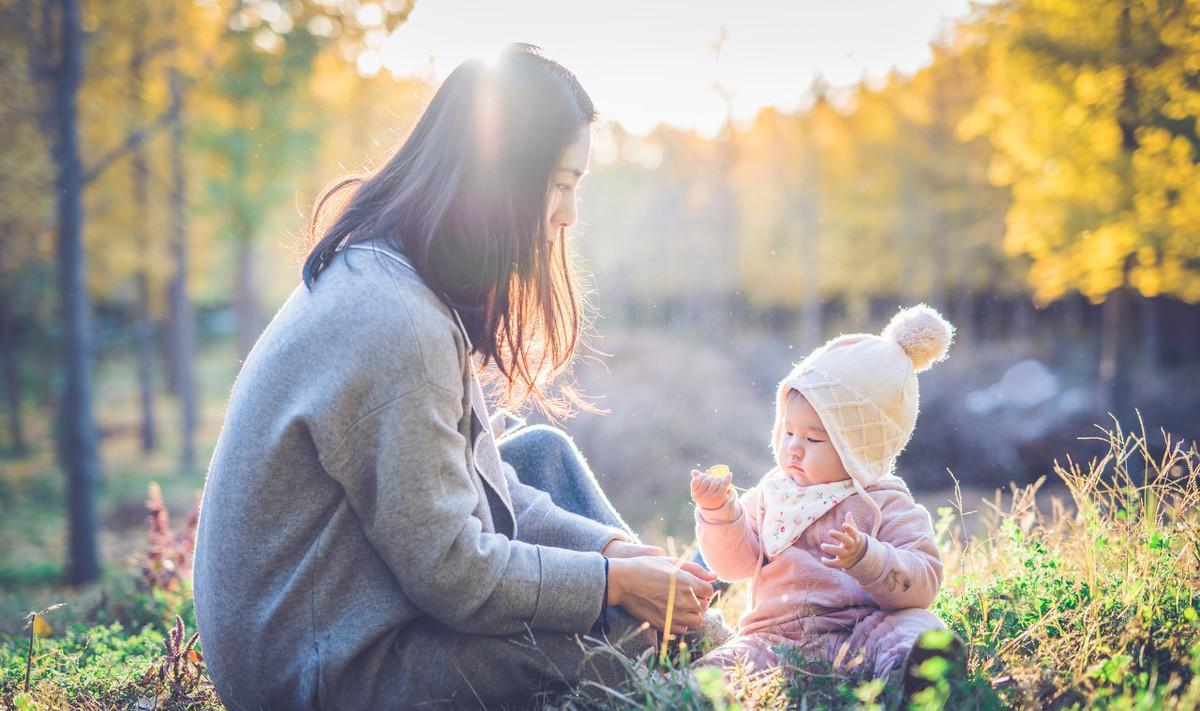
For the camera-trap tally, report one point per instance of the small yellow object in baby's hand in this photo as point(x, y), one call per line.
point(718, 470)
point(721, 470)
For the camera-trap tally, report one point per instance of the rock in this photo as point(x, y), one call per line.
point(1025, 385)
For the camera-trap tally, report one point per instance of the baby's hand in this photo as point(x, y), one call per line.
point(849, 546)
point(711, 492)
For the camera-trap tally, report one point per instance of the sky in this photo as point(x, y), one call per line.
point(645, 62)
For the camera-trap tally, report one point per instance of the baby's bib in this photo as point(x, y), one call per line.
point(789, 508)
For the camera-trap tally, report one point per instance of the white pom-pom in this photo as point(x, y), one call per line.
point(923, 334)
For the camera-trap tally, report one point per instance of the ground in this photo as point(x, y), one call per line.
point(1081, 593)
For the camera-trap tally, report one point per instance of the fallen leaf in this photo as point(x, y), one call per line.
point(41, 627)
point(718, 470)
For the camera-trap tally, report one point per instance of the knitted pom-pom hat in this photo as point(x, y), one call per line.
point(864, 389)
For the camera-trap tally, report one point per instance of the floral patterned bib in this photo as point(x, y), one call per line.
point(789, 508)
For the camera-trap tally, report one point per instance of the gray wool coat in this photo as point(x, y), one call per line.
point(356, 499)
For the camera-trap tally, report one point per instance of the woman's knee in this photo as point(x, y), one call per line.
point(541, 440)
point(548, 435)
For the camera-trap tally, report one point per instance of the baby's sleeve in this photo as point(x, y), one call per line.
point(728, 537)
point(902, 567)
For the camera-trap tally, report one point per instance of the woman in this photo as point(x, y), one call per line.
point(364, 542)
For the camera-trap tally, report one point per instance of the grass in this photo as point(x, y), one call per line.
point(1092, 601)
point(32, 528)
point(1093, 605)
point(128, 649)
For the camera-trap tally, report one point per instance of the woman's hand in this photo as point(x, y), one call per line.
point(848, 547)
point(642, 585)
point(618, 548)
point(711, 492)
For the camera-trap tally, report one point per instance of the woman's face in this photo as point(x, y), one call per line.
point(561, 207)
point(805, 452)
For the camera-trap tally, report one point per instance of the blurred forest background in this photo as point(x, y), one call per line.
point(1038, 181)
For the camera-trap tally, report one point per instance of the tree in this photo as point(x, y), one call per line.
point(260, 120)
point(786, 175)
point(1092, 110)
point(181, 320)
point(257, 129)
point(25, 205)
point(139, 166)
point(123, 96)
point(55, 43)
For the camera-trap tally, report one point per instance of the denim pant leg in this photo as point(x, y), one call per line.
point(547, 458)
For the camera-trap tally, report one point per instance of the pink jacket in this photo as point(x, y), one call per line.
point(795, 594)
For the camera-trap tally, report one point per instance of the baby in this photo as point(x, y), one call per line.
point(821, 581)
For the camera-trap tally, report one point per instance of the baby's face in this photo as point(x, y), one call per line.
point(805, 452)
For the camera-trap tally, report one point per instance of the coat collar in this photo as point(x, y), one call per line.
point(403, 259)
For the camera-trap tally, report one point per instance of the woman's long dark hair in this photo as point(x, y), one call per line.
point(465, 198)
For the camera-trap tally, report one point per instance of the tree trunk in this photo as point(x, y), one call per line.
point(169, 368)
point(941, 284)
point(12, 377)
point(145, 327)
point(1070, 318)
point(1114, 360)
point(992, 318)
point(858, 310)
point(182, 339)
point(1114, 377)
point(145, 364)
point(245, 294)
point(812, 327)
point(1024, 317)
point(1192, 317)
point(964, 318)
point(810, 295)
point(78, 452)
point(726, 247)
point(249, 316)
point(1151, 334)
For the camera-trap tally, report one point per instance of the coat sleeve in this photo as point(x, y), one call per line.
point(729, 539)
point(901, 567)
point(404, 470)
point(541, 521)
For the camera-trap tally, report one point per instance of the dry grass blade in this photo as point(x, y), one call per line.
point(32, 620)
